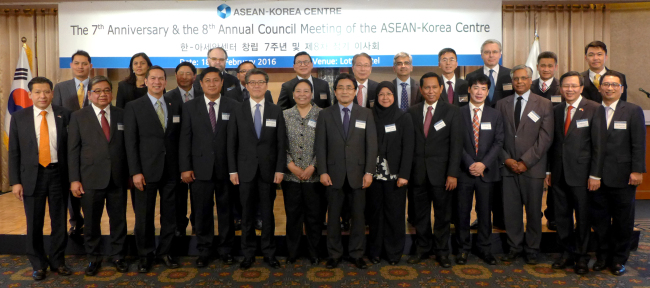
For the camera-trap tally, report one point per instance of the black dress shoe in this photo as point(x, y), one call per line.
point(600, 265)
point(581, 267)
point(474, 225)
point(415, 259)
point(375, 260)
point(273, 262)
point(121, 265)
point(62, 270)
point(247, 263)
point(258, 224)
point(551, 225)
point(38, 275)
point(332, 263)
point(93, 268)
point(237, 224)
point(170, 262)
point(228, 259)
point(359, 262)
point(617, 269)
point(489, 259)
point(532, 258)
point(313, 260)
point(511, 256)
point(461, 259)
point(562, 263)
point(444, 261)
point(144, 265)
point(202, 261)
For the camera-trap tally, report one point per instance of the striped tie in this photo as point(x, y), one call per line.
point(161, 114)
point(476, 125)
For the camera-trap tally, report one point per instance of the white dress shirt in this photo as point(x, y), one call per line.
point(99, 116)
point(426, 106)
point(524, 101)
point(610, 115)
point(548, 83)
point(486, 70)
point(592, 74)
point(51, 129)
point(480, 111)
point(253, 103)
point(364, 91)
point(398, 87)
point(453, 82)
point(190, 96)
point(216, 106)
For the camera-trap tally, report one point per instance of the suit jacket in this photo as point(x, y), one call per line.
point(202, 150)
point(399, 151)
point(591, 92)
point(503, 79)
point(65, 94)
point(176, 94)
point(238, 95)
point(23, 148)
point(438, 155)
point(416, 95)
point(551, 91)
point(581, 152)
point(490, 144)
point(230, 82)
point(531, 141)
point(625, 150)
point(92, 159)
point(370, 98)
point(460, 89)
point(352, 156)
point(321, 88)
point(149, 148)
point(247, 153)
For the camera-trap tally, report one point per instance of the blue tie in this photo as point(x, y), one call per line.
point(405, 98)
point(346, 122)
point(492, 84)
point(257, 120)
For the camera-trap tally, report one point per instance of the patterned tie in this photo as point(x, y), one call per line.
point(346, 121)
point(492, 85)
point(44, 157)
point(80, 95)
point(360, 96)
point(161, 114)
point(405, 98)
point(187, 96)
point(567, 122)
point(476, 125)
point(544, 87)
point(518, 112)
point(427, 121)
point(105, 126)
point(257, 120)
point(597, 81)
point(213, 117)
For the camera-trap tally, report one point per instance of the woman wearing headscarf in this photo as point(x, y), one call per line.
point(386, 197)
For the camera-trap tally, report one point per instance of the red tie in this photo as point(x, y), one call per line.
point(105, 126)
point(360, 96)
point(476, 125)
point(450, 92)
point(544, 87)
point(427, 122)
point(567, 122)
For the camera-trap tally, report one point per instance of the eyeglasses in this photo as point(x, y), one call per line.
point(613, 85)
point(385, 94)
point(106, 91)
point(303, 63)
point(256, 83)
point(345, 88)
point(217, 59)
point(448, 60)
point(571, 86)
point(517, 79)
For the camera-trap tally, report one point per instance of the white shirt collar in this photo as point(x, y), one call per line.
point(364, 83)
point(218, 101)
point(472, 107)
point(525, 95)
point(592, 73)
point(97, 110)
point(426, 105)
point(613, 105)
point(548, 82)
point(48, 110)
point(486, 71)
point(399, 82)
point(453, 79)
point(575, 104)
point(183, 92)
point(310, 79)
point(253, 103)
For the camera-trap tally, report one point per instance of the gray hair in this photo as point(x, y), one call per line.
point(402, 54)
point(491, 41)
point(98, 79)
point(520, 67)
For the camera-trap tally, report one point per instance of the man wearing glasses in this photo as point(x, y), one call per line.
point(302, 64)
point(408, 90)
point(361, 69)
point(242, 94)
point(500, 82)
point(217, 58)
point(455, 91)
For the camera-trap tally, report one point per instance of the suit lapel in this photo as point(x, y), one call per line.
point(437, 115)
point(336, 114)
point(248, 116)
point(530, 106)
point(170, 115)
point(577, 115)
point(353, 120)
point(29, 119)
point(419, 119)
point(92, 118)
point(467, 118)
point(113, 122)
point(58, 120)
point(619, 114)
point(414, 92)
point(510, 113)
point(201, 109)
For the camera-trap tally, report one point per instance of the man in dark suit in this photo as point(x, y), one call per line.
point(454, 90)
point(499, 76)
point(242, 94)
point(217, 57)
point(256, 159)
point(482, 144)
point(408, 90)
point(302, 64)
point(152, 128)
point(596, 56)
point(38, 174)
point(436, 167)
point(348, 157)
point(612, 205)
point(203, 162)
point(98, 171)
point(366, 88)
point(185, 77)
point(528, 128)
point(72, 95)
point(576, 168)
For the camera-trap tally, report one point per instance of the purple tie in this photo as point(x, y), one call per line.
point(450, 92)
point(405, 98)
point(213, 117)
point(346, 122)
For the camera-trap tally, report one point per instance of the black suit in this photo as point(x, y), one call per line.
point(460, 90)
point(613, 204)
point(41, 185)
point(230, 82)
point(436, 157)
point(153, 152)
point(490, 143)
point(203, 151)
point(502, 87)
point(591, 92)
point(321, 92)
point(100, 165)
point(574, 158)
point(256, 161)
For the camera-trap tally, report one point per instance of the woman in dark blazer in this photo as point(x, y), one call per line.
point(133, 86)
point(386, 197)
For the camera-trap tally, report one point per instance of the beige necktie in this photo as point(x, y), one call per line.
point(161, 113)
point(597, 81)
point(80, 95)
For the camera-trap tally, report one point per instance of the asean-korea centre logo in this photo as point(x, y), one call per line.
point(223, 11)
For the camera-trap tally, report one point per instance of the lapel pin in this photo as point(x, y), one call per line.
point(581, 109)
point(58, 116)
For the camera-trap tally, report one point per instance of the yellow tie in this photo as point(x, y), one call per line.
point(80, 95)
point(597, 81)
point(44, 157)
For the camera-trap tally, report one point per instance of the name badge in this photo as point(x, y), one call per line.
point(312, 123)
point(323, 96)
point(176, 119)
point(270, 122)
point(620, 125)
point(371, 103)
point(463, 98)
point(225, 116)
point(120, 126)
point(439, 125)
point(486, 125)
point(360, 124)
point(533, 116)
point(507, 86)
point(583, 123)
point(556, 98)
point(390, 128)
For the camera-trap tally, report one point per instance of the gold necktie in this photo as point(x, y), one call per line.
point(44, 157)
point(597, 81)
point(80, 95)
point(161, 113)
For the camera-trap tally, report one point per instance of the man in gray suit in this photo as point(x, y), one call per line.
point(72, 95)
point(528, 127)
point(348, 157)
point(408, 90)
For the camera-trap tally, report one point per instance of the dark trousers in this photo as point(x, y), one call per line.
point(204, 194)
point(336, 199)
point(498, 210)
point(74, 209)
point(49, 189)
point(145, 208)
point(182, 192)
point(520, 191)
point(442, 207)
point(302, 206)
point(549, 213)
point(386, 211)
point(612, 214)
point(464, 198)
point(235, 202)
point(92, 203)
point(567, 199)
point(257, 191)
